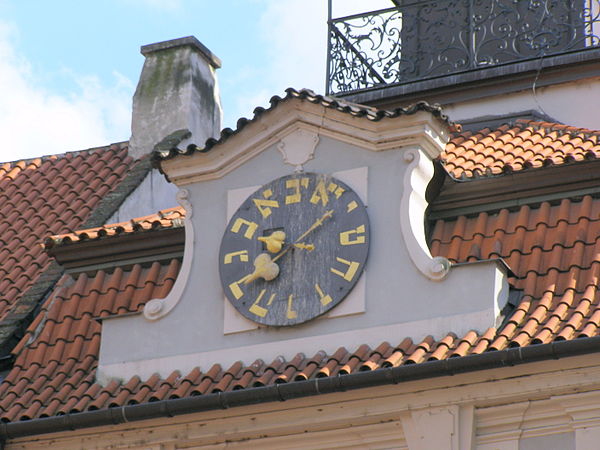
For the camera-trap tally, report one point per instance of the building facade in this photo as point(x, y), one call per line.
point(358, 270)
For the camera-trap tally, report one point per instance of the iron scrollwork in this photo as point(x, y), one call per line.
point(421, 40)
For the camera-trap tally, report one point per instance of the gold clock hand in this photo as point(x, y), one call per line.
point(315, 225)
point(302, 246)
point(274, 242)
point(312, 228)
point(264, 268)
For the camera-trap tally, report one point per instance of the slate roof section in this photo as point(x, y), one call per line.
point(50, 195)
point(552, 248)
point(524, 145)
point(354, 109)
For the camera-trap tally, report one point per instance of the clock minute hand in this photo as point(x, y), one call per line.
point(315, 225)
point(312, 228)
point(265, 267)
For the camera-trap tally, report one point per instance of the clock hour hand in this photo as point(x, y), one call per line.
point(274, 242)
point(264, 268)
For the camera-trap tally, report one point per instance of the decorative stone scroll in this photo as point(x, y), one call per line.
point(160, 307)
point(412, 213)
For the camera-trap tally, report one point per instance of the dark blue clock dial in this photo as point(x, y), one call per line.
point(294, 249)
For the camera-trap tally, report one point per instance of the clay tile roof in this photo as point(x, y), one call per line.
point(28, 393)
point(525, 144)
point(353, 109)
point(164, 219)
point(552, 248)
point(556, 266)
point(43, 196)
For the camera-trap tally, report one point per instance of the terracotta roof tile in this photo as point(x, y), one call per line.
point(45, 196)
point(207, 380)
point(552, 249)
point(526, 144)
point(249, 374)
point(168, 218)
point(311, 366)
point(554, 252)
point(353, 109)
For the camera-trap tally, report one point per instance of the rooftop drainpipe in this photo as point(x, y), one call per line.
point(299, 389)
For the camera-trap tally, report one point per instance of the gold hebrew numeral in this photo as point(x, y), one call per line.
point(264, 205)
point(291, 314)
point(295, 184)
point(325, 299)
point(336, 190)
point(320, 194)
point(346, 236)
point(259, 310)
point(242, 254)
point(235, 288)
point(350, 272)
point(250, 230)
point(351, 206)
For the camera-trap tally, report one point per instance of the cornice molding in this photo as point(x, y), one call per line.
point(117, 250)
point(421, 129)
point(512, 190)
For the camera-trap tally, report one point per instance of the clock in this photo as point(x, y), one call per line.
point(294, 249)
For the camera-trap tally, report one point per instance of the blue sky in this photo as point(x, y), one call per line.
point(68, 68)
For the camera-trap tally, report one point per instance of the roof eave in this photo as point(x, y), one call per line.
point(342, 111)
point(299, 389)
point(514, 189)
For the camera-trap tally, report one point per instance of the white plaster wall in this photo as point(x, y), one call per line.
point(401, 301)
point(574, 103)
point(152, 194)
point(562, 441)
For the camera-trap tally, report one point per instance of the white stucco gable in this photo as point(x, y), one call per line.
point(405, 292)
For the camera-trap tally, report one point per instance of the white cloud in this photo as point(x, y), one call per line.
point(246, 104)
point(162, 5)
point(35, 121)
point(293, 36)
point(294, 33)
point(343, 8)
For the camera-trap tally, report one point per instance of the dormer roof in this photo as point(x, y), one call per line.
point(551, 247)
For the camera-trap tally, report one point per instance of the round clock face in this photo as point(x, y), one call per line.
point(294, 249)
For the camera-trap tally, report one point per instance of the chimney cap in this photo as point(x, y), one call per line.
point(182, 42)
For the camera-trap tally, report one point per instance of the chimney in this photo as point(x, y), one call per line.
point(177, 90)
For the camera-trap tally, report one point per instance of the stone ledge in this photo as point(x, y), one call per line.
point(182, 42)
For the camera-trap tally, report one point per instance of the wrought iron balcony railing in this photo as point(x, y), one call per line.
point(421, 40)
